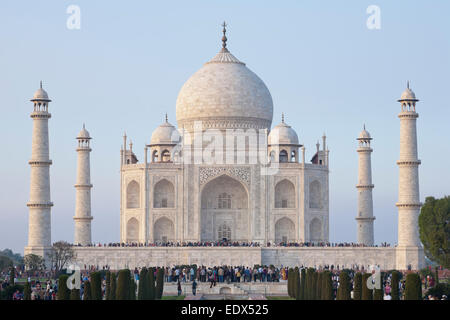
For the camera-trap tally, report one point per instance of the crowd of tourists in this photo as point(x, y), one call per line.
point(225, 243)
point(193, 275)
point(225, 273)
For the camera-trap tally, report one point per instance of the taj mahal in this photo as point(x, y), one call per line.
point(224, 174)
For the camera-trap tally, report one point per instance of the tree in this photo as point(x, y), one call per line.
point(75, 294)
point(87, 290)
point(5, 263)
point(327, 286)
point(434, 228)
point(60, 254)
point(151, 284)
point(27, 291)
point(16, 258)
point(436, 270)
point(96, 286)
point(290, 282)
point(395, 280)
point(366, 292)
point(357, 286)
point(143, 286)
point(309, 284)
point(63, 292)
point(33, 262)
point(132, 289)
point(108, 285)
point(314, 285)
point(112, 295)
point(12, 275)
point(413, 287)
point(159, 283)
point(123, 285)
point(303, 284)
point(438, 290)
point(296, 284)
point(343, 292)
point(319, 286)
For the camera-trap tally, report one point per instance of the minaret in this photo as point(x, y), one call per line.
point(365, 216)
point(39, 223)
point(410, 252)
point(83, 187)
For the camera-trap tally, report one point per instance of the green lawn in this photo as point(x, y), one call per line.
point(279, 298)
point(173, 297)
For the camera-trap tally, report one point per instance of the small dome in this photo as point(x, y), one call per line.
point(165, 134)
point(84, 134)
point(408, 94)
point(364, 135)
point(40, 94)
point(283, 134)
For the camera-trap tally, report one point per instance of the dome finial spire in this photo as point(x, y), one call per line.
point(167, 119)
point(282, 117)
point(407, 84)
point(41, 84)
point(224, 38)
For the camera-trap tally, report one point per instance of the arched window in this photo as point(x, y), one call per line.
point(163, 230)
point(132, 230)
point(315, 198)
point(224, 232)
point(224, 201)
point(284, 230)
point(133, 195)
point(285, 194)
point(165, 156)
point(283, 156)
point(315, 230)
point(155, 156)
point(164, 194)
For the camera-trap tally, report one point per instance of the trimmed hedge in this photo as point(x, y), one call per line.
point(151, 284)
point(357, 286)
point(303, 284)
point(367, 293)
point(27, 291)
point(96, 286)
point(108, 285)
point(113, 289)
point(143, 286)
point(63, 292)
point(395, 280)
point(159, 283)
point(123, 285)
point(87, 291)
point(413, 287)
point(75, 294)
point(343, 292)
point(327, 286)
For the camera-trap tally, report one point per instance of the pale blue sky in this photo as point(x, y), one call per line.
point(123, 69)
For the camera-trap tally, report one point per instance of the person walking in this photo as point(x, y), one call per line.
point(194, 287)
point(179, 287)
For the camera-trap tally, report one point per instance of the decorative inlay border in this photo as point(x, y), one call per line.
point(208, 173)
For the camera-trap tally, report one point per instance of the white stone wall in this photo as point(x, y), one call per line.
point(255, 221)
point(119, 258)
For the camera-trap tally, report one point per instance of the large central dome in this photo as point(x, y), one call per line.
point(223, 94)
